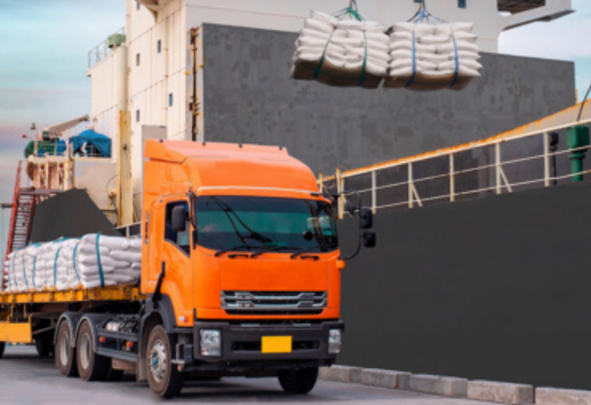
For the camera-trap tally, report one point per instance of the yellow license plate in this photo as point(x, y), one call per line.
point(276, 344)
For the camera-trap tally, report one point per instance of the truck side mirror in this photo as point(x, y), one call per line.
point(350, 208)
point(179, 218)
point(369, 239)
point(365, 218)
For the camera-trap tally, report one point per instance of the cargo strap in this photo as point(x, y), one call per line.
point(321, 63)
point(414, 60)
point(457, 58)
point(352, 11)
point(57, 255)
point(98, 256)
point(74, 260)
point(24, 269)
point(34, 266)
point(362, 78)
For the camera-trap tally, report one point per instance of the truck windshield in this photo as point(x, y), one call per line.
point(227, 223)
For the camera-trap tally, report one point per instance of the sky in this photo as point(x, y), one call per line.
point(43, 60)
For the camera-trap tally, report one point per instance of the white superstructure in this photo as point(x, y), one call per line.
point(152, 74)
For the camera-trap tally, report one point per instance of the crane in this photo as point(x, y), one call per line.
point(57, 130)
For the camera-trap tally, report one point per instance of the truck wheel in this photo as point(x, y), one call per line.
point(298, 381)
point(91, 366)
point(163, 377)
point(2, 346)
point(65, 354)
point(44, 346)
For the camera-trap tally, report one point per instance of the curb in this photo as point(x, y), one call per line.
point(343, 374)
point(503, 393)
point(488, 391)
point(386, 379)
point(558, 396)
point(437, 385)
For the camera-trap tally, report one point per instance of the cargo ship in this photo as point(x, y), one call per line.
point(495, 158)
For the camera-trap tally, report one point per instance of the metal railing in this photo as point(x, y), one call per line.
point(64, 149)
point(102, 50)
point(489, 167)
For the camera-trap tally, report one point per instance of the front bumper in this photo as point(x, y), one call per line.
point(242, 342)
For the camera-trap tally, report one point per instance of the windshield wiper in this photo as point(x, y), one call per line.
point(252, 233)
point(273, 249)
point(221, 252)
point(308, 251)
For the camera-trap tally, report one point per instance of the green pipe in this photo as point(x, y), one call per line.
point(577, 137)
point(576, 161)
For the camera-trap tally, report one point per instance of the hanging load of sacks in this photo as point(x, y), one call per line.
point(92, 261)
point(429, 54)
point(342, 50)
point(423, 54)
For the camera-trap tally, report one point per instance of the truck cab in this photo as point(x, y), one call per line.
point(241, 264)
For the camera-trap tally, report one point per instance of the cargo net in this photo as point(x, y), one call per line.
point(92, 261)
point(426, 53)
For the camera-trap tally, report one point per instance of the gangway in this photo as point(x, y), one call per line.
point(24, 202)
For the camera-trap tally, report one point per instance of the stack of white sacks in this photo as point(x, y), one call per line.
point(416, 55)
point(341, 52)
point(433, 56)
point(74, 263)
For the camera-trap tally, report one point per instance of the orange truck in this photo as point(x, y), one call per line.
point(241, 276)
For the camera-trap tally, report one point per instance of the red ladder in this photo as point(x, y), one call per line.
point(24, 203)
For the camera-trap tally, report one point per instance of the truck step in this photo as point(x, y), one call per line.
point(117, 354)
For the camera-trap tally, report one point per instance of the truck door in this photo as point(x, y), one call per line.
point(176, 257)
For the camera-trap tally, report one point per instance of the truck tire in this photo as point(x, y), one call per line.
point(65, 354)
point(91, 366)
point(2, 346)
point(164, 378)
point(300, 381)
point(44, 346)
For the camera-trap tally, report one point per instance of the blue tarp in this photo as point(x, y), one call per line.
point(101, 142)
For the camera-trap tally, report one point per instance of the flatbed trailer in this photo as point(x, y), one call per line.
point(31, 317)
point(71, 297)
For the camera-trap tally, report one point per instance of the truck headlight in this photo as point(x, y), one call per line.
point(210, 342)
point(334, 341)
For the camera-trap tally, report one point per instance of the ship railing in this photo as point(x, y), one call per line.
point(102, 50)
point(48, 149)
point(494, 166)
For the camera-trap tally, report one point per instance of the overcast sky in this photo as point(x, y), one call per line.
point(43, 60)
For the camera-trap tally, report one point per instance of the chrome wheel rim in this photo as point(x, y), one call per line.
point(158, 361)
point(85, 348)
point(65, 348)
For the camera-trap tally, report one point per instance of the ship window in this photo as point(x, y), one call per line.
point(180, 239)
point(159, 45)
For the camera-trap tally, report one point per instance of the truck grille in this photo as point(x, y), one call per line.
point(273, 303)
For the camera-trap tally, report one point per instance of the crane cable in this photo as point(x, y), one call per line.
point(422, 8)
point(583, 104)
